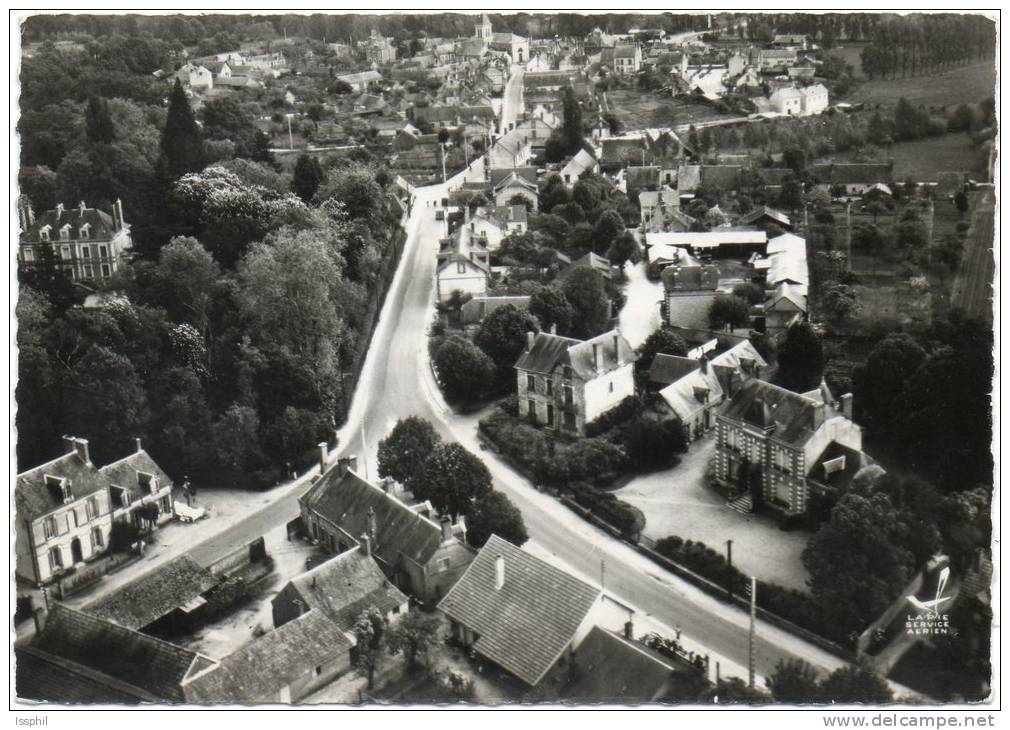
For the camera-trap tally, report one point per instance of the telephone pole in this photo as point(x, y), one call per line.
point(729, 569)
point(753, 630)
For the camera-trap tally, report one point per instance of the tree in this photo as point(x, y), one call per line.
point(402, 453)
point(549, 305)
point(494, 514)
point(464, 371)
point(502, 337)
point(585, 290)
point(791, 195)
point(356, 187)
point(181, 142)
point(795, 159)
point(664, 341)
point(369, 631)
point(880, 383)
point(856, 685)
point(414, 635)
point(750, 292)
point(733, 691)
point(651, 444)
point(911, 233)
point(729, 311)
point(571, 125)
point(98, 122)
point(452, 478)
point(841, 302)
point(625, 248)
point(857, 561)
point(183, 280)
point(961, 202)
point(801, 359)
point(794, 682)
point(307, 177)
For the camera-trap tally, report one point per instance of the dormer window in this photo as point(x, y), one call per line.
point(44, 232)
point(61, 488)
point(85, 231)
point(147, 482)
point(65, 232)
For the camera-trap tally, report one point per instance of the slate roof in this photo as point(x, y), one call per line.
point(154, 595)
point(513, 178)
point(593, 261)
point(258, 671)
point(146, 665)
point(101, 227)
point(47, 678)
point(854, 461)
point(346, 500)
point(726, 177)
point(793, 417)
point(344, 586)
point(775, 175)
point(735, 356)
point(580, 163)
point(615, 670)
point(697, 277)
point(123, 473)
point(500, 175)
point(525, 625)
point(361, 77)
point(537, 79)
point(790, 293)
point(707, 239)
point(642, 177)
point(550, 351)
point(764, 211)
point(693, 392)
point(33, 498)
point(667, 369)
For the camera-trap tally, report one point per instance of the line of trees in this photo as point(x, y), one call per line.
point(915, 45)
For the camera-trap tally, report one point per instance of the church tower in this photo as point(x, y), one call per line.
point(483, 31)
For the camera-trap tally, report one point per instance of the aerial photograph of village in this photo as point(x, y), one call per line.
point(552, 358)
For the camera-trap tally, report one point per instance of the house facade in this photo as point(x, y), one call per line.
point(564, 383)
point(88, 244)
point(624, 60)
point(769, 437)
point(64, 515)
point(135, 481)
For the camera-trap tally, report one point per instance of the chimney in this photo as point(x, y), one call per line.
point(82, 450)
point(617, 346)
point(704, 362)
point(119, 213)
point(554, 328)
point(59, 210)
point(139, 445)
point(39, 614)
point(366, 545)
point(371, 522)
point(31, 213)
point(69, 444)
point(629, 630)
point(499, 572)
point(596, 356)
point(81, 207)
point(846, 401)
point(446, 529)
point(323, 453)
point(529, 341)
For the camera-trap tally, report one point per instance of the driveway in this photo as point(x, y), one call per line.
point(677, 502)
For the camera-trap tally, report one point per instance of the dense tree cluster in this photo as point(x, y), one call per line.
point(919, 44)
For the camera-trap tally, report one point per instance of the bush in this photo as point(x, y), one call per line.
point(650, 444)
point(620, 413)
point(124, 536)
point(608, 508)
point(596, 460)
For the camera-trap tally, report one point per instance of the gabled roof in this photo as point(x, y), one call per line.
point(693, 277)
point(765, 212)
point(454, 258)
point(360, 77)
point(129, 661)
point(527, 623)
point(837, 465)
point(707, 239)
point(736, 356)
point(513, 179)
point(642, 177)
point(790, 293)
point(693, 392)
point(344, 586)
point(593, 261)
point(154, 595)
point(279, 658)
point(794, 417)
point(580, 163)
point(667, 369)
point(498, 176)
point(614, 670)
point(551, 351)
point(33, 498)
point(124, 473)
point(726, 177)
point(652, 198)
point(347, 500)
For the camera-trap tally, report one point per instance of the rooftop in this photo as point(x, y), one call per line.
point(551, 351)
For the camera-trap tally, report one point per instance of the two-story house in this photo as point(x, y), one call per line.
point(769, 439)
point(64, 514)
point(564, 383)
point(624, 60)
point(137, 480)
point(508, 186)
point(420, 553)
point(89, 244)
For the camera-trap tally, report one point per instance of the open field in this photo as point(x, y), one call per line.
point(924, 159)
point(643, 110)
point(968, 84)
point(849, 52)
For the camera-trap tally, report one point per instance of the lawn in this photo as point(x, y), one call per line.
point(924, 159)
point(967, 84)
point(644, 110)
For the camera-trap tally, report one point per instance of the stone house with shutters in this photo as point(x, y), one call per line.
point(137, 480)
point(769, 439)
point(564, 383)
point(64, 515)
point(88, 244)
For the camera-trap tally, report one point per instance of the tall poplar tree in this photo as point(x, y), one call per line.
point(181, 143)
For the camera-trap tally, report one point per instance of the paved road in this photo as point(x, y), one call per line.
point(512, 99)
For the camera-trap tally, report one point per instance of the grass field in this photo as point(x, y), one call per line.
point(643, 110)
point(968, 84)
point(924, 159)
point(849, 53)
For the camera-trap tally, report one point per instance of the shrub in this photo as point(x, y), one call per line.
point(620, 413)
point(650, 444)
point(608, 508)
point(593, 459)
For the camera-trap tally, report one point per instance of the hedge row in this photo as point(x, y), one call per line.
point(788, 603)
point(609, 508)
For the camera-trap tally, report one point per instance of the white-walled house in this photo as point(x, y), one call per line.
point(815, 99)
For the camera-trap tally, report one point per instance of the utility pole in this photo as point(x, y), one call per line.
point(364, 449)
point(291, 139)
point(443, 162)
point(603, 577)
point(729, 569)
point(848, 236)
point(753, 630)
